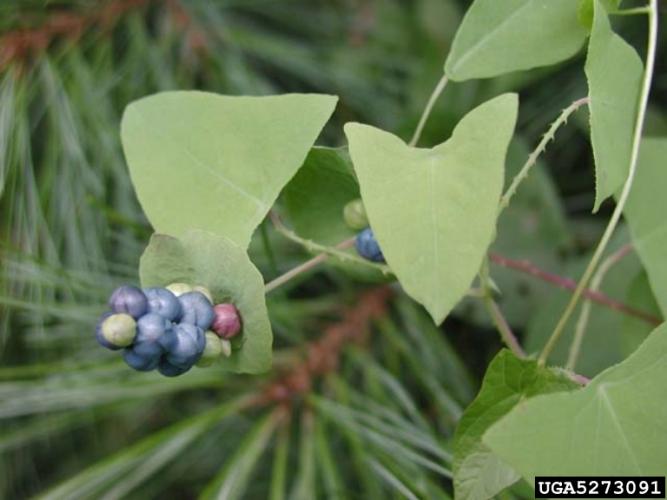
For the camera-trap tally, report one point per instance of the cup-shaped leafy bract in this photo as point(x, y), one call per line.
point(434, 211)
point(205, 161)
point(213, 261)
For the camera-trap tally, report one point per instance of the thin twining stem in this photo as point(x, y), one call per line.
point(584, 316)
point(616, 215)
point(503, 326)
point(531, 269)
point(442, 83)
point(532, 158)
point(496, 314)
point(314, 247)
point(306, 266)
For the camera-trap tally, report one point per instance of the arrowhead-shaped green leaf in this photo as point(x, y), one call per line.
point(646, 216)
point(434, 210)
point(615, 426)
point(217, 163)
point(498, 37)
point(614, 72)
point(478, 473)
point(202, 258)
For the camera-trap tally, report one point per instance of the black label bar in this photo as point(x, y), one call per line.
point(599, 487)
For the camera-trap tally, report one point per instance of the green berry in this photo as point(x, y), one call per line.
point(212, 351)
point(226, 347)
point(354, 214)
point(119, 329)
point(179, 289)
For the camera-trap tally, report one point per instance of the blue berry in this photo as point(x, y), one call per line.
point(129, 300)
point(151, 327)
point(161, 301)
point(147, 350)
point(196, 310)
point(100, 337)
point(368, 247)
point(169, 370)
point(138, 362)
point(116, 330)
point(184, 346)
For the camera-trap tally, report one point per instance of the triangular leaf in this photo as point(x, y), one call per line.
point(434, 210)
point(202, 258)
point(217, 163)
point(615, 426)
point(614, 72)
point(478, 473)
point(510, 35)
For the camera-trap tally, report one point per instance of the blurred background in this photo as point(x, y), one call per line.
point(365, 392)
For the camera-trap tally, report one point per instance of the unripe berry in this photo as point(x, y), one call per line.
point(196, 310)
point(368, 247)
point(98, 333)
point(179, 289)
point(185, 345)
point(119, 330)
point(163, 302)
point(204, 291)
point(354, 215)
point(139, 362)
point(129, 300)
point(226, 347)
point(227, 322)
point(212, 350)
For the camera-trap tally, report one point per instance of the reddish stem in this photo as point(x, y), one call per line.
point(528, 267)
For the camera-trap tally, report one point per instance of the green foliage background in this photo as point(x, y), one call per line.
point(376, 421)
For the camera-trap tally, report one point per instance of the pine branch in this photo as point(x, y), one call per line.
point(323, 355)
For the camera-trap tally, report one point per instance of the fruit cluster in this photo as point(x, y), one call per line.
point(170, 328)
point(367, 246)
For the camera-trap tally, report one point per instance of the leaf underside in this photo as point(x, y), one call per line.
point(500, 37)
point(434, 210)
point(614, 72)
point(206, 161)
point(614, 426)
point(646, 216)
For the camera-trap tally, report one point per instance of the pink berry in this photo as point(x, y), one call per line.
point(227, 322)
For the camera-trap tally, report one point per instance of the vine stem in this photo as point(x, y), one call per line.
point(334, 251)
point(615, 217)
point(631, 12)
point(503, 326)
point(532, 158)
point(528, 267)
point(496, 314)
point(584, 316)
point(442, 83)
point(306, 266)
